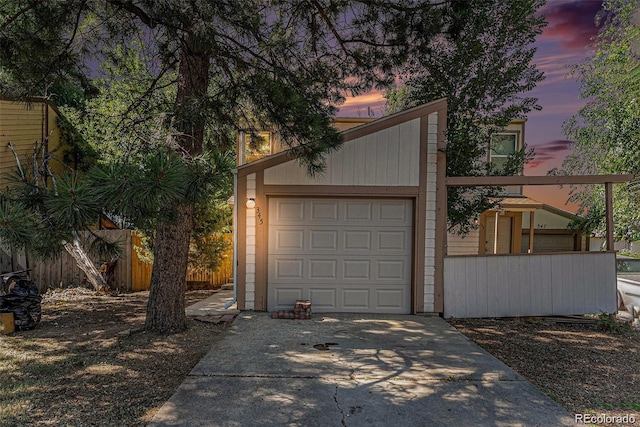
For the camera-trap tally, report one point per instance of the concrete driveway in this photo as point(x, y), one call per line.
point(354, 370)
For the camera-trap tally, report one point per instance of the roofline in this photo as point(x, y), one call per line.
point(561, 212)
point(500, 181)
point(351, 134)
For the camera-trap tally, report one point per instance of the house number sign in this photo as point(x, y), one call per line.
point(259, 215)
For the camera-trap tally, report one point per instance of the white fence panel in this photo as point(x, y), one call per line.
point(529, 284)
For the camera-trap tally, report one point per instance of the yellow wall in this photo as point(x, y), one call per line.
point(25, 125)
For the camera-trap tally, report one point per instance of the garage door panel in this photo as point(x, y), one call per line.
point(323, 269)
point(356, 299)
point(323, 240)
point(357, 269)
point(288, 269)
point(391, 270)
point(391, 299)
point(288, 211)
point(324, 299)
point(284, 296)
point(355, 240)
point(383, 241)
point(343, 254)
point(392, 240)
point(358, 212)
point(323, 211)
point(289, 239)
point(396, 212)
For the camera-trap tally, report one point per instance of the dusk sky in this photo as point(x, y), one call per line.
point(570, 29)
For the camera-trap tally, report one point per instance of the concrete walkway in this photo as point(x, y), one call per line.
point(214, 305)
point(353, 370)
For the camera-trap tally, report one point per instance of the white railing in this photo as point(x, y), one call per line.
point(529, 284)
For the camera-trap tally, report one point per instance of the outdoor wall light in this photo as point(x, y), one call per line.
point(251, 203)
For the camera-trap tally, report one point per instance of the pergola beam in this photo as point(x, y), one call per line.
point(501, 181)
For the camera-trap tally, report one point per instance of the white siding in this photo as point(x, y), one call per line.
point(430, 224)
point(390, 157)
point(250, 243)
point(529, 285)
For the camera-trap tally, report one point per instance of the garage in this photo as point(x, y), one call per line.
point(358, 237)
point(342, 254)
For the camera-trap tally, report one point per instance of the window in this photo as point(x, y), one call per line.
point(257, 146)
point(502, 146)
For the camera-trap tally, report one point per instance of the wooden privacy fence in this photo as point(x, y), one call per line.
point(130, 273)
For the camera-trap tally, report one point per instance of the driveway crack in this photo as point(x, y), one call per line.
point(335, 399)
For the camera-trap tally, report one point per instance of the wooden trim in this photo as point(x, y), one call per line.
point(441, 211)
point(343, 190)
point(532, 225)
point(483, 181)
point(420, 224)
point(608, 195)
point(482, 233)
point(516, 232)
point(241, 240)
point(262, 244)
point(265, 163)
point(535, 254)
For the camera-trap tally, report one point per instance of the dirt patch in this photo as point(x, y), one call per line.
point(586, 370)
point(89, 362)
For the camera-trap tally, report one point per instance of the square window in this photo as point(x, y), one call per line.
point(502, 145)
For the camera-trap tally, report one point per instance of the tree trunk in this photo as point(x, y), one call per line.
point(75, 249)
point(165, 309)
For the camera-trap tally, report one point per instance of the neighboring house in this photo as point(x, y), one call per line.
point(368, 235)
point(28, 126)
point(31, 128)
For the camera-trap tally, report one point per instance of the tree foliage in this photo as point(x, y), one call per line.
point(481, 62)
point(206, 70)
point(606, 131)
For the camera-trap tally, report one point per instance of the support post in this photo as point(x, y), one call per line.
point(531, 225)
point(608, 195)
point(495, 233)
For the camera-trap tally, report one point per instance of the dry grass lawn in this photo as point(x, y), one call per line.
point(89, 363)
point(584, 368)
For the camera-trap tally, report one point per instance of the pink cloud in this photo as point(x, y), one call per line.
point(571, 22)
point(358, 106)
point(550, 154)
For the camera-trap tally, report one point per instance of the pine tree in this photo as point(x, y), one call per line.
point(232, 65)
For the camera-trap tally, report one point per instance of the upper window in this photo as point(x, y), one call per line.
point(503, 145)
point(257, 146)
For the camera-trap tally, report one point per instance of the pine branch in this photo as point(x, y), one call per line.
point(132, 8)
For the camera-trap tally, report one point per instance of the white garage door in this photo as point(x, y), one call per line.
point(344, 255)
